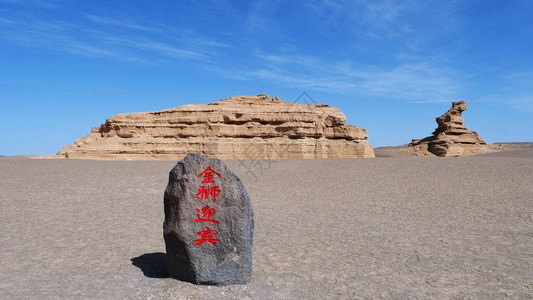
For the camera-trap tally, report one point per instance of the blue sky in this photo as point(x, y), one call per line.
point(391, 66)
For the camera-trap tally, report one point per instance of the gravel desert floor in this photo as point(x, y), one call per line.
point(390, 227)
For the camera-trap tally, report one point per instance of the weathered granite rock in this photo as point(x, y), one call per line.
point(209, 223)
point(241, 127)
point(451, 138)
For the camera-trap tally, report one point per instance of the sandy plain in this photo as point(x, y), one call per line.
point(384, 228)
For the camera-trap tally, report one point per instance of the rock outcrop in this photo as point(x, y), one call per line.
point(208, 236)
point(451, 138)
point(241, 127)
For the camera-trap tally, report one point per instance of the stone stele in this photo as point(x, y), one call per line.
point(209, 223)
point(241, 127)
point(451, 138)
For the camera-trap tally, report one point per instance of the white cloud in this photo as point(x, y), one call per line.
point(118, 22)
point(87, 50)
point(168, 50)
point(519, 80)
point(413, 70)
point(412, 23)
point(413, 80)
point(34, 3)
point(523, 104)
point(26, 30)
point(516, 91)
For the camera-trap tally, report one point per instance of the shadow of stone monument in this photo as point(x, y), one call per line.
point(153, 265)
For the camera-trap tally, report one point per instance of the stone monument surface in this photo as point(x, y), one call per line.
point(209, 225)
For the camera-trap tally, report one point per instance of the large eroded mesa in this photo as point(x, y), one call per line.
point(241, 127)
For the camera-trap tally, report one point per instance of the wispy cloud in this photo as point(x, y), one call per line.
point(87, 50)
point(519, 80)
point(524, 103)
point(519, 102)
point(118, 22)
point(413, 80)
point(409, 66)
point(410, 24)
point(515, 90)
point(50, 35)
point(33, 3)
point(204, 42)
point(407, 71)
point(435, 101)
point(168, 50)
point(97, 41)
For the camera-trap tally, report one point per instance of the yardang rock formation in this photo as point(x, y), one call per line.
point(452, 138)
point(241, 127)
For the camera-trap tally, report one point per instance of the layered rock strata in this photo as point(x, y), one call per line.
point(452, 138)
point(241, 127)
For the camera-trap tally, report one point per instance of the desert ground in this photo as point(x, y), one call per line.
point(389, 227)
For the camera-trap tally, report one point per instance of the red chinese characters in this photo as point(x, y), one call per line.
point(206, 191)
point(208, 175)
point(206, 213)
point(206, 236)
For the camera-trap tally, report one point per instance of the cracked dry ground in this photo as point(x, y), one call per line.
point(392, 228)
